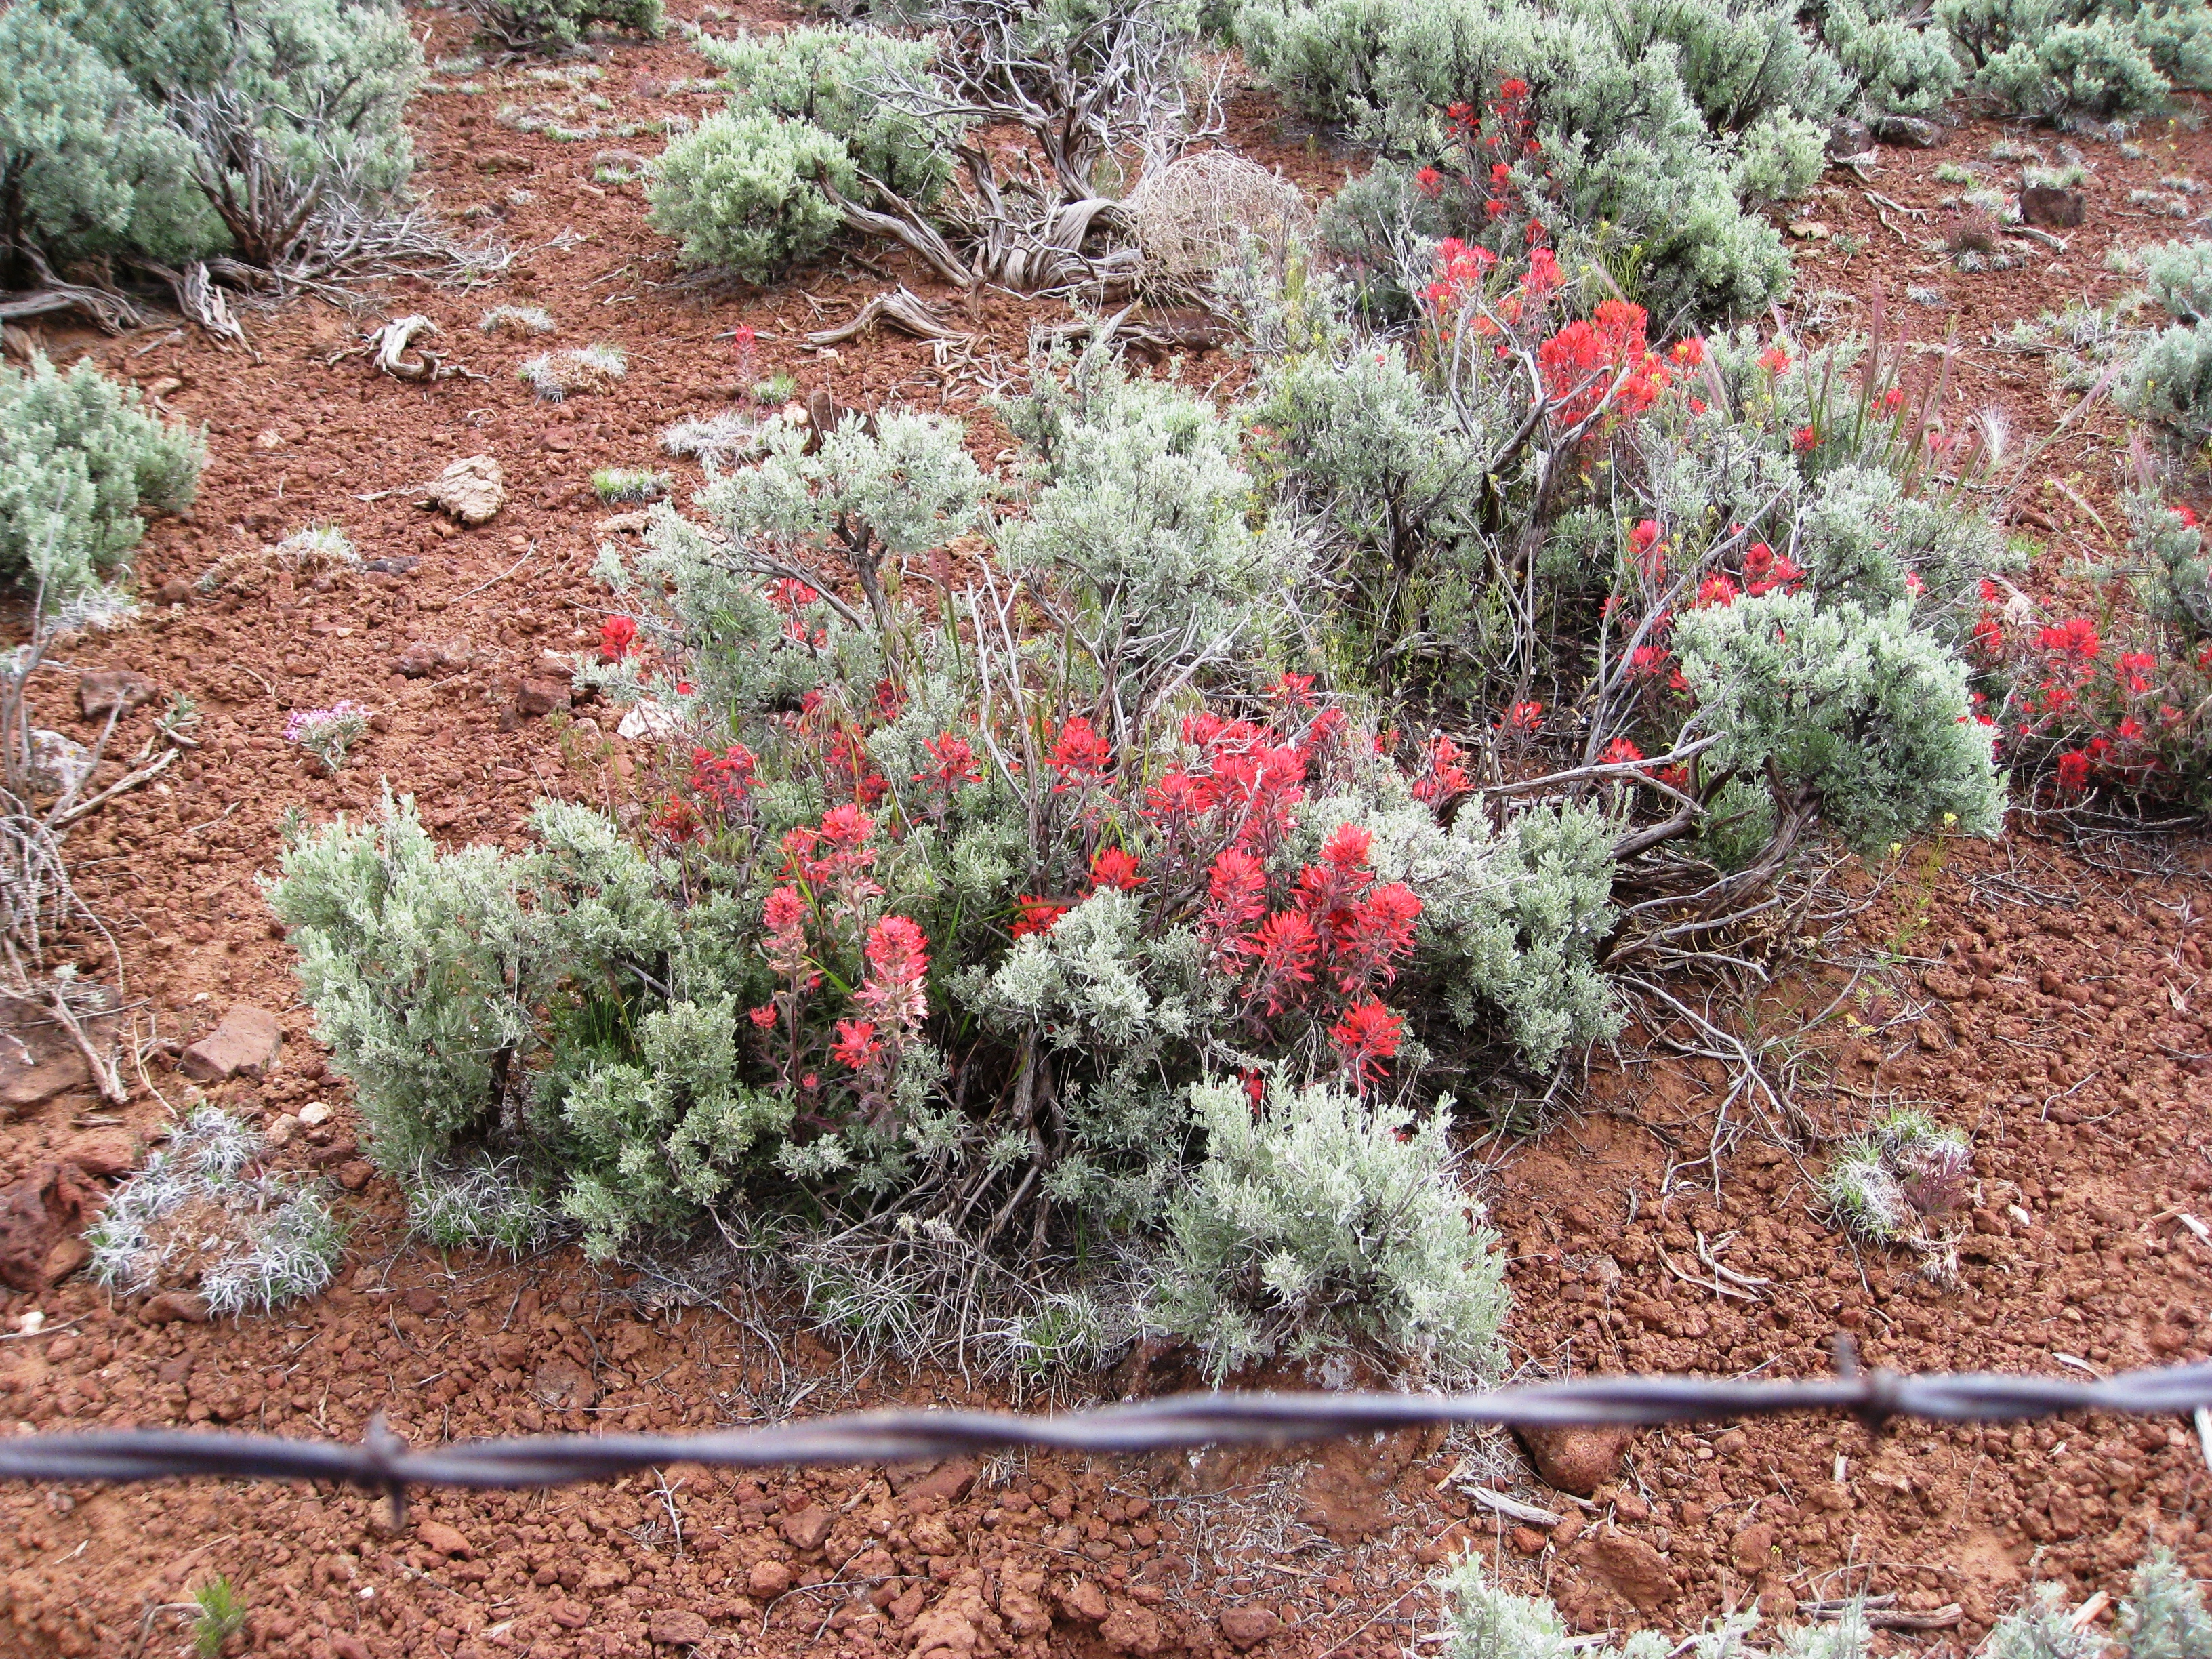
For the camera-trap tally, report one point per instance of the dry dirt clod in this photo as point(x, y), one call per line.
point(563, 1384)
point(678, 1627)
point(1577, 1458)
point(1630, 1565)
point(472, 489)
point(170, 1307)
point(1245, 1628)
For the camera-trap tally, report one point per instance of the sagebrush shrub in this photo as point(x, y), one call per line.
point(2180, 277)
point(1859, 707)
point(541, 23)
point(741, 192)
point(1322, 1223)
point(2057, 57)
point(903, 853)
point(307, 96)
point(80, 461)
point(1902, 66)
point(838, 80)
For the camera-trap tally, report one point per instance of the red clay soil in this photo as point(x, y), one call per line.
point(2050, 1001)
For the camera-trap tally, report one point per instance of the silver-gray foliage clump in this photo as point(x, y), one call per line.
point(199, 1216)
point(1322, 1224)
point(80, 460)
point(156, 133)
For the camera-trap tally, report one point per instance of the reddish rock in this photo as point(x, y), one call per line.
point(768, 1580)
point(1630, 1565)
point(1578, 1457)
point(39, 1059)
point(945, 1631)
point(1528, 1541)
point(1084, 1601)
point(173, 1307)
point(1245, 1628)
point(2052, 208)
point(36, 1213)
point(100, 1152)
point(244, 1044)
point(806, 1529)
point(535, 697)
point(64, 1258)
point(946, 1482)
point(448, 1541)
point(678, 1627)
point(1754, 1550)
point(1130, 1628)
point(355, 1175)
point(104, 691)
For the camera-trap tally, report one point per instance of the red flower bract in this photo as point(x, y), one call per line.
point(1366, 1036)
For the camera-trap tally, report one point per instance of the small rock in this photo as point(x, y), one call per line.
point(356, 1175)
point(472, 489)
point(1907, 131)
point(768, 1580)
point(1810, 230)
point(244, 1044)
point(948, 1482)
point(64, 1258)
point(1245, 1628)
point(678, 1627)
point(2052, 208)
point(1579, 1458)
point(1528, 1541)
point(346, 1645)
point(563, 1384)
point(36, 1213)
point(39, 1059)
point(448, 1541)
point(946, 1632)
point(168, 1307)
point(278, 1135)
point(100, 1152)
point(1630, 1565)
point(1848, 138)
point(58, 764)
point(1082, 1600)
point(806, 1529)
point(536, 697)
point(401, 565)
point(649, 719)
point(104, 691)
point(313, 1112)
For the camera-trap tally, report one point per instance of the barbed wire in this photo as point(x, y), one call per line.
point(382, 1461)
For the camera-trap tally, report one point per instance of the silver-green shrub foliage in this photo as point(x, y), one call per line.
point(1859, 706)
point(1322, 1223)
point(128, 126)
point(1658, 122)
point(80, 460)
point(740, 192)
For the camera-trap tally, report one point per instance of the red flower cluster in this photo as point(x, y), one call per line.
point(1441, 776)
point(1766, 571)
point(1338, 933)
point(724, 781)
point(1585, 363)
point(617, 638)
